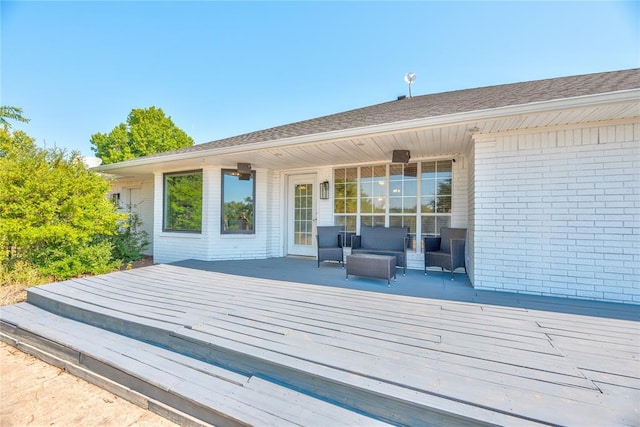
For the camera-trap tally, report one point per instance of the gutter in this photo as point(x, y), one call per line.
point(385, 128)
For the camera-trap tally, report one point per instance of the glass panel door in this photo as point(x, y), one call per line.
point(301, 215)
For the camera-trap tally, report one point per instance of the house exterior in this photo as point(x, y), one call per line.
point(545, 175)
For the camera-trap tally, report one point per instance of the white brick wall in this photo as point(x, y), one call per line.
point(460, 202)
point(556, 213)
point(471, 186)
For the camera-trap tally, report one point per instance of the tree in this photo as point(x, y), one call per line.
point(238, 215)
point(54, 216)
point(8, 112)
point(147, 131)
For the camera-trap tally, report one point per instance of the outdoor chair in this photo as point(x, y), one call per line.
point(330, 244)
point(390, 241)
point(446, 251)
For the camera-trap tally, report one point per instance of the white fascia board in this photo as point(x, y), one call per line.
point(632, 95)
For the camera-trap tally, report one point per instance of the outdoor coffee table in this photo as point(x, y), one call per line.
point(373, 266)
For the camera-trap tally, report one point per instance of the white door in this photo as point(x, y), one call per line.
point(135, 198)
point(301, 215)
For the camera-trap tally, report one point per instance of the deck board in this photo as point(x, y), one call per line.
point(492, 363)
point(171, 372)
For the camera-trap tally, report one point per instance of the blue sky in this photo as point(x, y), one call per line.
point(225, 68)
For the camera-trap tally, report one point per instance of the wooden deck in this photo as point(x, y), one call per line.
point(209, 347)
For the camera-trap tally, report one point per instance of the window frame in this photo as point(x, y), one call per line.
point(165, 200)
point(223, 228)
point(416, 217)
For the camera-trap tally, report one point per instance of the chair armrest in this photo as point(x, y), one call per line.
point(432, 244)
point(340, 240)
point(457, 253)
point(404, 257)
point(355, 242)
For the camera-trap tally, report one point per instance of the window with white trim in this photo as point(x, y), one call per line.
point(183, 202)
point(238, 207)
point(413, 195)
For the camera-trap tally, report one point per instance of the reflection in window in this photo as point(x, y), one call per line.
point(373, 189)
point(436, 196)
point(389, 195)
point(238, 209)
point(403, 198)
point(345, 201)
point(183, 201)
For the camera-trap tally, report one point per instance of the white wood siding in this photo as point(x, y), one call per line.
point(556, 213)
point(325, 207)
point(144, 204)
point(275, 216)
point(269, 239)
point(211, 244)
point(173, 246)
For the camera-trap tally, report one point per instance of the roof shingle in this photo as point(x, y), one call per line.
point(438, 104)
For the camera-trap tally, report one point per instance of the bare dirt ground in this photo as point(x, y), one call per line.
point(34, 393)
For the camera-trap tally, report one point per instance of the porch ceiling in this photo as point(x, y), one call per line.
point(434, 137)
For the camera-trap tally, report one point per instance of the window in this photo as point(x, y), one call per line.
point(413, 195)
point(303, 217)
point(435, 196)
point(183, 201)
point(373, 195)
point(403, 198)
point(238, 208)
point(115, 199)
point(345, 202)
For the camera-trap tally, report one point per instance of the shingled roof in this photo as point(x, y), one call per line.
point(439, 104)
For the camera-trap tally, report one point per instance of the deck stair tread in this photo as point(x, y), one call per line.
point(157, 371)
point(454, 325)
point(467, 342)
point(553, 366)
point(395, 358)
point(480, 414)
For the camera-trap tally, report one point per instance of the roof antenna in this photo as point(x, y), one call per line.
point(408, 79)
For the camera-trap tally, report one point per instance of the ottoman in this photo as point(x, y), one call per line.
point(373, 266)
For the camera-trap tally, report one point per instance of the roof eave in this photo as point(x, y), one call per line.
point(435, 121)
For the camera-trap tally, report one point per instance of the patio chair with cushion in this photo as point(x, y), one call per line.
point(329, 240)
point(389, 241)
point(446, 251)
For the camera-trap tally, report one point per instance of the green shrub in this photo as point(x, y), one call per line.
point(20, 273)
point(130, 241)
point(54, 210)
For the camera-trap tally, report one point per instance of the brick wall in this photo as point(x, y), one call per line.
point(471, 204)
point(556, 213)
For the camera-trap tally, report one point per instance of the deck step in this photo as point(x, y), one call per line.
point(365, 394)
point(158, 377)
point(393, 359)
